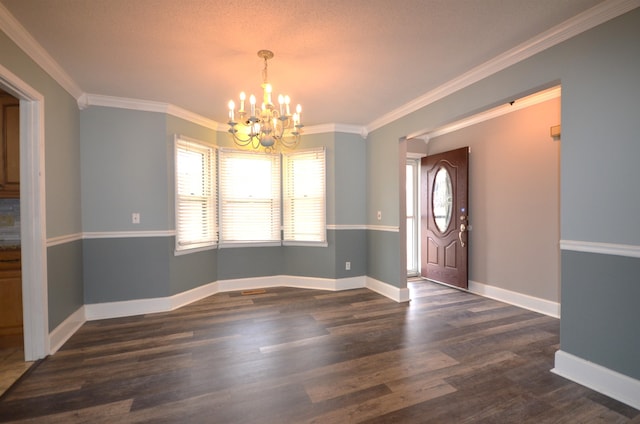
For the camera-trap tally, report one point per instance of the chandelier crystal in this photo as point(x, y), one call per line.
point(268, 126)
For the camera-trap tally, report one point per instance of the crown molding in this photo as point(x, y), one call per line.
point(580, 23)
point(19, 35)
point(195, 118)
point(87, 100)
point(534, 99)
point(334, 128)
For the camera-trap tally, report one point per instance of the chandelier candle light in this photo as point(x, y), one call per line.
point(272, 126)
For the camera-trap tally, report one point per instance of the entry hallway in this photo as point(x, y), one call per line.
point(292, 355)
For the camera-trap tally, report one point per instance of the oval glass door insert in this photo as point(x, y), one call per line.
point(442, 199)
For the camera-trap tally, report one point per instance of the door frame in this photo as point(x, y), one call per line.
point(32, 215)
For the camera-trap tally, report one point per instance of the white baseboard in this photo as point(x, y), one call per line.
point(107, 310)
point(66, 329)
point(292, 281)
point(392, 292)
point(182, 299)
point(596, 377)
point(127, 308)
point(525, 301)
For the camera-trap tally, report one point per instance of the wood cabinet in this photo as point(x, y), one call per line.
point(10, 299)
point(9, 146)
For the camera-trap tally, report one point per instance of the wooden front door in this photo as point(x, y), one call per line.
point(444, 217)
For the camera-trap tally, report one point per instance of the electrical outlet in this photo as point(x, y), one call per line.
point(135, 218)
point(347, 265)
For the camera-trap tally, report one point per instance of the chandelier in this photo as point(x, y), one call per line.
point(268, 126)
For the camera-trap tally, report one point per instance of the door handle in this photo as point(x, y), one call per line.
point(463, 229)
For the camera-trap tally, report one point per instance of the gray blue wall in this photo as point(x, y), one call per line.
point(62, 181)
point(127, 166)
point(599, 71)
point(514, 199)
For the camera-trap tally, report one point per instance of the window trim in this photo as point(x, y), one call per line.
point(184, 143)
point(287, 157)
point(181, 141)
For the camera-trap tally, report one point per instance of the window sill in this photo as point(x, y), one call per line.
point(187, 250)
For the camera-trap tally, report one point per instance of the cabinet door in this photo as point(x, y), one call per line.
point(12, 116)
point(10, 148)
point(10, 309)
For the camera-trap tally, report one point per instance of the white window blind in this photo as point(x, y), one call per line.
point(304, 194)
point(195, 182)
point(249, 197)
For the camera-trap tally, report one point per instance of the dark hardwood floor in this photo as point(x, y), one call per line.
point(292, 355)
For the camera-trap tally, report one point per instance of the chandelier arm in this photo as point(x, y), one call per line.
point(252, 140)
point(290, 142)
point(271, 128)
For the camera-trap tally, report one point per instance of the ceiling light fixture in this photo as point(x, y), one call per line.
point(269, 126)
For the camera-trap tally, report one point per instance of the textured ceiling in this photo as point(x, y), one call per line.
point(346, 61)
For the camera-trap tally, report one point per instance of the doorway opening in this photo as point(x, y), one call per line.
point(11, 332)
point(514, 197)
point(32, 215)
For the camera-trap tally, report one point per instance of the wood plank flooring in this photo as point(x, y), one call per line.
point(301, 356)
point(12, 366)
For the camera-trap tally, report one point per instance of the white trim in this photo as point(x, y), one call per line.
point(350, 283)
point(107, 310)
point(341, 227)
point(521, 300)
point(601, 248)
point(582, 22)
point(392, 292)
point(54, 241)
point(128, 234)
point(236, 244)
point(390, 228)
point(123, 103)
point(66, 329)
point(32, 214)
point(310, 283)
point(19, 35)
point(305, 243)
point(88, 99)
point(258, 283)
point(187, 251)
point(596, 377)
point(195, 118)
point(126, 308)
point(534, 99)
point(184, 298)
point(336, 128)
point(415, 155)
